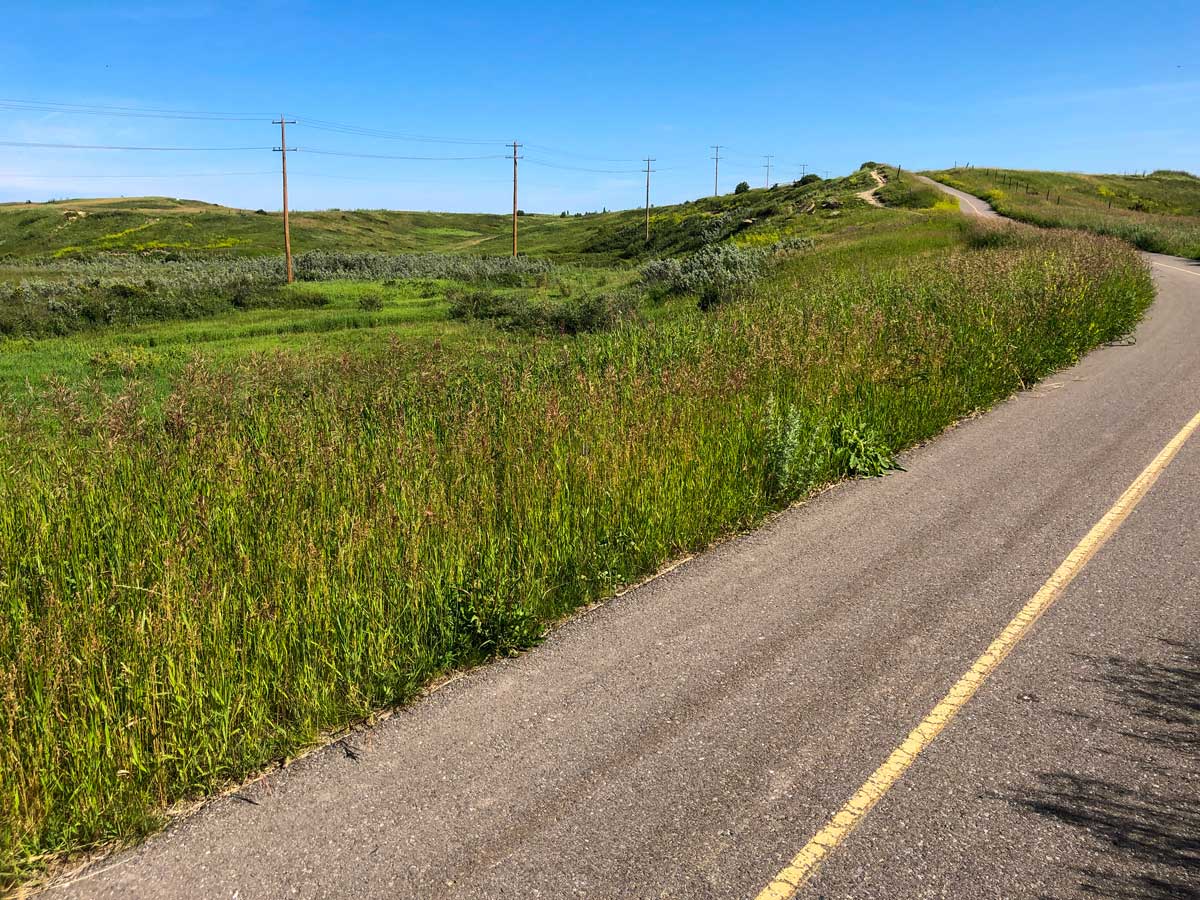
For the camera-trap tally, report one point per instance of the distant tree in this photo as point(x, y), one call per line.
point(563, 214)
point(520, 212)
point(742, 187)
point(810, 178)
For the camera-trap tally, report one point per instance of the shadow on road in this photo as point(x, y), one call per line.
point(1149, 823)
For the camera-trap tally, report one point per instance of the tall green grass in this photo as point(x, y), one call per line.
point(295, 542)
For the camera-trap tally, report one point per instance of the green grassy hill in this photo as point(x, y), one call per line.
point(84, 227)
point(1159, 212)
point(104, 288)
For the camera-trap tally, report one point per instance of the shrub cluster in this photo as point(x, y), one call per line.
point(125, 289)
point(717, 274)
point(598, 311)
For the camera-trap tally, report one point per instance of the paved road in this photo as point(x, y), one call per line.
point(685, 740)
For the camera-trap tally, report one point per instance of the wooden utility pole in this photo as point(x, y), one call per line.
point(768, 168)
point(515, 158)
point(648, 171)
point(283, 123)
point(716, 169)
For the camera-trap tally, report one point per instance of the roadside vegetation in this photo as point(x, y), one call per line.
point(1158, 212)
point(225, 533)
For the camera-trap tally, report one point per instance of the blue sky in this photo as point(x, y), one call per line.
point(586, 86)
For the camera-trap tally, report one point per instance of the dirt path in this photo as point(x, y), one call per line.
point(869, 196)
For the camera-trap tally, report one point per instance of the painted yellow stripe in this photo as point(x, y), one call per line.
point(804, 865)
point(1176, 268)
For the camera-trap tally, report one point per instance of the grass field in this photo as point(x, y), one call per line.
point(236, 518)
point(1159, 212)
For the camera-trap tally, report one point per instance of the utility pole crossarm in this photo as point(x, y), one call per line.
point(283, 122)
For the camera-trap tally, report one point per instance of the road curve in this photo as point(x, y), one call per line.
point(689, 737)
point(968, 203)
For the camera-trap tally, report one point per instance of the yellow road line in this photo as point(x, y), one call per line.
point(805, 863)
point(971, 203)
point(1176, 268)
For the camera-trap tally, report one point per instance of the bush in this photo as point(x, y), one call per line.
point(810, 178)
point(372, 301)
point(791, 243)
point(742, 187)
point(589, 313)
point(477, 304)
point(716, 274)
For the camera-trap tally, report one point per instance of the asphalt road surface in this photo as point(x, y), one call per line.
point(690, 737)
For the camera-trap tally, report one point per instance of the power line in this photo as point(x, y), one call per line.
point(198, 115)
point(550, 165)
point(389, 156)
point(576, 155)
point(317, 124)
point(113, 147)
point(125, 111)
point(139, 177)
point(382, 134)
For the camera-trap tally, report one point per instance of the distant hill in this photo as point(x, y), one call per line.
point(84, 227)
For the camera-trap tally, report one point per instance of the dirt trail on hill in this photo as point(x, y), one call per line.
point(869, 195)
